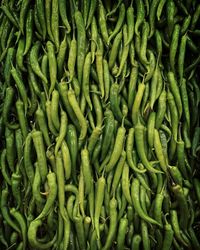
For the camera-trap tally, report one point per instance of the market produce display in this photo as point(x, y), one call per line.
point(99, 124)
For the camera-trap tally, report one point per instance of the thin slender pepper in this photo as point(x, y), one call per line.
point(150, 66)
point(41, 119)
point(37, 23)
point(33, 57)
point(136, 203)
point(8, 63)
point(140, 142)
point(143, 45)
point(86, 167)
point(52, 66)
point(10, 148)
point(184, 213)
point(22, 223)
point(41, 17)
point(129, 149)
point(78, 220)
point(97, 105)
point(9, 98)
point(72, 143)
point(93, 139)
point(47, 6)
point(27, 158)
point(40, 151)
point(108, 132)
point(181, 57)
point(114, 104)
point(16, 186)
point(122, 12)
point(99, 68)
point(113, 224)
point(20, 86)
point(159, 151)
point(168, 237)
point(63, 14)
point(101, 182)
point(102, 22)
point(61, 183)
point(130, 23)
point(9, 15)
point(72, 59)
point(52, 193)
point(61, 56)
point(55, 22)
point(132, 85)
point(137, 102)
point(22, 117)
point(81, 44)
point(161, 109)
point(176, 228)
point(82, 121)
point(5, 211)
point(150, 129)
point(118, 147)
point(195, 17)
point(152, 15)
point(67, 163)
point(144, 234)
point(62, 131)
point(86, 78)
point(114, 50)
point(32, 236)
point(90, 13)
point(181, 157)
point(19, 54)
point(23, 11)
point(174, 119)
point(4, 168)
point(154, 92)
point(49, 118)
point(140, 16)
point(63, 90)
point(126, 183)
point(170, 11)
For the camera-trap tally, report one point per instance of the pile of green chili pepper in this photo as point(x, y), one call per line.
point(99, 124)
